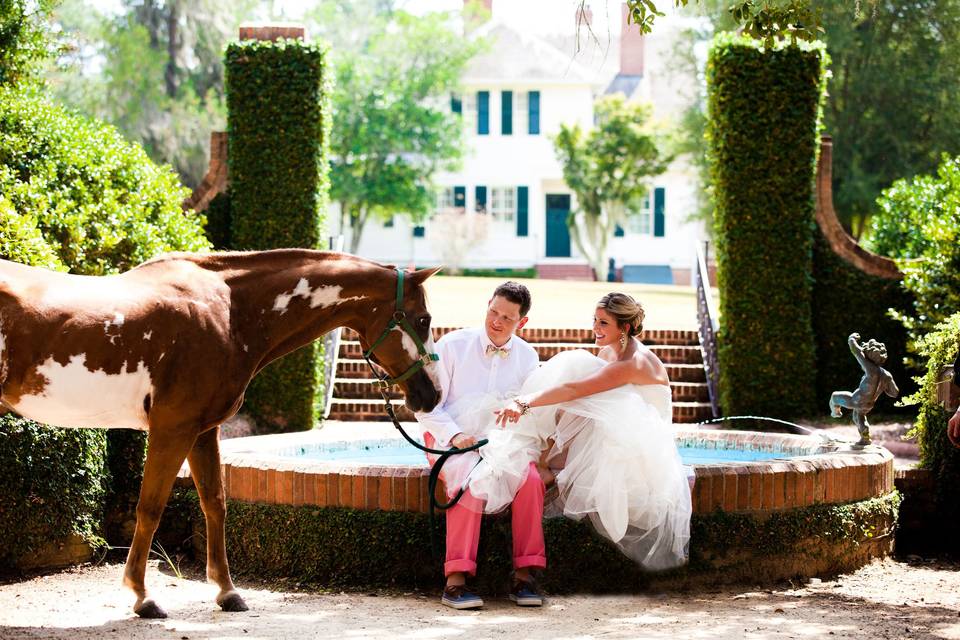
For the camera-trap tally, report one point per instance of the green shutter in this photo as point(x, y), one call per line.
point(460, 198)
point(506, 112)
point(659, 223)
point(533, 113)
point(618, 232)
point(418, 231)
point(522, 216)
point(483, 113)
point(456, 104)
point(481, 197)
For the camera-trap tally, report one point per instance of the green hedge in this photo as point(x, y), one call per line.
point(348, 548)
point(764, 107)
point(278, 122)
point(847, 300)
point(939, 348)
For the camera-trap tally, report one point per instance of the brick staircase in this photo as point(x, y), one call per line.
point(356, 399)
point(565, 271)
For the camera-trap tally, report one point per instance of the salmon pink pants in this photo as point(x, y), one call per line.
point(526, 513)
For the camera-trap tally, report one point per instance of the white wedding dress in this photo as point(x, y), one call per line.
point(621, 467)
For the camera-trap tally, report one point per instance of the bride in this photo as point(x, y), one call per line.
point(600, 429)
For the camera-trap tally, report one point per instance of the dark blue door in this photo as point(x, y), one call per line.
point(558, 235)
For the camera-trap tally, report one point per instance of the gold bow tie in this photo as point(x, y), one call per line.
point(503, 352)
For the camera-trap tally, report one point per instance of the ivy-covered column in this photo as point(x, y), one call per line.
point(278, 120)
point(764, 109)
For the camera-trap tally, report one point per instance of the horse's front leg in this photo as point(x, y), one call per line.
point(205, 468)
point(166, 451)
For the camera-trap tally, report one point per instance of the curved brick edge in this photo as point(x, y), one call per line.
point(823, 474)
point(215, 181)
point(840, 241)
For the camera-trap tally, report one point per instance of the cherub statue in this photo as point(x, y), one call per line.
point(875, 380)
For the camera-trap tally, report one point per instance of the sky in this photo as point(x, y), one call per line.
point(534, 16)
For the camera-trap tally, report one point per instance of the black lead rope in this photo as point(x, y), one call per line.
point(384, 382)
point(443, 456)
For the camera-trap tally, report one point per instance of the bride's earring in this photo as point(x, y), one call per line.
point(623, 341)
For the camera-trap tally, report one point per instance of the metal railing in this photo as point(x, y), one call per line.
point(707, 327)
point(331, 346)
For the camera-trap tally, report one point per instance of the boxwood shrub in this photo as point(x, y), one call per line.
point(764, 107)
point(939, 348)
point(278, 122)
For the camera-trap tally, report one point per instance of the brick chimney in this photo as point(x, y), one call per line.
point(631, 45)
point(583, 16)
point(272, 31)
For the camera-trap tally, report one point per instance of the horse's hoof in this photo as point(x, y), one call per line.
point(150, 609)
point(232, 602)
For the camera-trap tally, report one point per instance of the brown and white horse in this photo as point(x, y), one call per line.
point(170, 346)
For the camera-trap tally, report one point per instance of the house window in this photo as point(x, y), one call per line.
point(445, 199)
point(503, 203)
point(641, 222)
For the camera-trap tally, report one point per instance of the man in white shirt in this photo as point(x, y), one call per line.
point(488, 360)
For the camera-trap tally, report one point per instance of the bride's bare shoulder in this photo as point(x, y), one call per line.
point(650, 369)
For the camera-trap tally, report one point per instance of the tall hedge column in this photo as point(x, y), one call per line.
point(277, 123)
point(763, 119)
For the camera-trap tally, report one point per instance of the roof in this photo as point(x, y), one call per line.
point(512, 56)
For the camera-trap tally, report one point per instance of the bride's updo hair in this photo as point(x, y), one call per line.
point(625, 309)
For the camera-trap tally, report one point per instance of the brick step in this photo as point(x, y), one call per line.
point(361, 410)
point(578, 336)
point(668, 353)
point(357, 368)
point(353, 388)
point(566, 272)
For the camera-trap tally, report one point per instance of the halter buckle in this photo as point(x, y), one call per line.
point(399, 315)
point(382, 383)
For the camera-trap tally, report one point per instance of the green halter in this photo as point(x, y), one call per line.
point(400, 319)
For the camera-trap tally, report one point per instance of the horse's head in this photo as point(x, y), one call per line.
point(397, 338)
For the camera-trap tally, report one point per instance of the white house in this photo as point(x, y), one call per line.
point(507, 206)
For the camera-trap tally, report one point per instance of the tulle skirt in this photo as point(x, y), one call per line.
point(613, 453)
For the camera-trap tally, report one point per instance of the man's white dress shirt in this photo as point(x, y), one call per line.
point(466, 368)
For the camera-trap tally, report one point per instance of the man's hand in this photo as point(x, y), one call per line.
point(462, 441)
point(953, 428)
point(508, 414)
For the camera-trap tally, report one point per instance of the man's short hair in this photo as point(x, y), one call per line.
point(515, 293)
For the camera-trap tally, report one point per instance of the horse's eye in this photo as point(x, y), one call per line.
point(425, 321)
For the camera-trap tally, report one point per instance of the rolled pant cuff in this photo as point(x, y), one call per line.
point(530, 562)
point(457, 566)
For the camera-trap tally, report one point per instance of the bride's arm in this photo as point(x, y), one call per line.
point(609, 377)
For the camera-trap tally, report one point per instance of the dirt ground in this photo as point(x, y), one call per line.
point(912, 598)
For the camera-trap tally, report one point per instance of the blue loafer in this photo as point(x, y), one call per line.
point(460, 597)
point(526, 594)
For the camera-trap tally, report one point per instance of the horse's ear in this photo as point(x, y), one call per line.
point(420, 275)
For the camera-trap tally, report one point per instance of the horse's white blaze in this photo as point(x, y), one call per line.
point(431, 368)
point(408, 344)
point(74, 396)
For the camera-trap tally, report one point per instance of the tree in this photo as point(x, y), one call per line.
point(161, 81)
point(891, 106)
point(606, 169)
point(768, 20)
point(393, 128)
point(25, 39)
